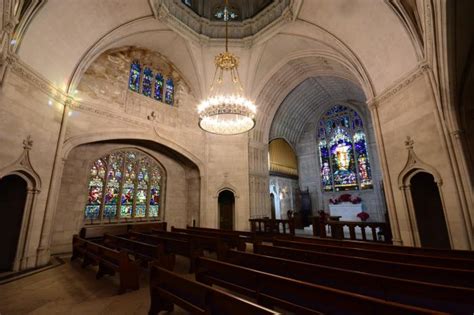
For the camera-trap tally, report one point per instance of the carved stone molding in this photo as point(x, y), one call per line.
point(415, 165)
point(83, 107)
point(400, 85)
point(177, 15)
point(28, 74)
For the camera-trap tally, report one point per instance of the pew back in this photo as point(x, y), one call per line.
point(167, 288)
point(437, 275)
point(295, 296)
point(439, 297)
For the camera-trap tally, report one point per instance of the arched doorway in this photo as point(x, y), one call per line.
point(13, 191)
point(226, 210)
point(429, 212)
point(272, 202)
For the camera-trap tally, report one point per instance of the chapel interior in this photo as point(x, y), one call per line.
point(237, 157)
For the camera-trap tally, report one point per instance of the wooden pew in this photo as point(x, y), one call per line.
point(463, 254)
point(147, 227)
point(168, 288)
point(436, 275)
point(232, 240)
point(98, 231)
point(444, 262)
point(273, 226)
point(143, 251)
point(201, 242)
point(422, 294)
point(109, 261)
point(293, 295)
point(171, 247)
point(248, 236)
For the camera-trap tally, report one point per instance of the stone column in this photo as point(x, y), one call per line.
point(43, 251)
point(394, 224)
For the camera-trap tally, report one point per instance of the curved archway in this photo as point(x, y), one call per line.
point(13, 195)
point(429, 213)
point(226, 200)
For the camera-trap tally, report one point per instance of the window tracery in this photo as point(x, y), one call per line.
point(343, 155)
point(124, 184)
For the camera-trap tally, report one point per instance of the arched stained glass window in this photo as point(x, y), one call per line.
point(147, 82)
point(130, 183)
point(134, 78)
point(169, 96)
point(159, 87)
point(343, 157)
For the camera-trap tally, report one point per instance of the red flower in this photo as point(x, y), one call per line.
point(345, 198)
point(363, 216)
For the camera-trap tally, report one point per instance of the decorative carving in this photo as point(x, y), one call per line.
point(28, 143)
point(409, 143)
point(23, 164)
point(414, 165)
point(152, 116)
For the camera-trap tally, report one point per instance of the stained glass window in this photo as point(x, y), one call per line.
point(96, 188)
point(123, 184)
point(147, 82)
point(159, 87)
point(343, 155)
point(169, 96)
point(149, 85)
point(134, 78)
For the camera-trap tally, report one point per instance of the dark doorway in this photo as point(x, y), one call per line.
point(272, 202)
point(429, 211)
point(226, 210)
point(12, 204)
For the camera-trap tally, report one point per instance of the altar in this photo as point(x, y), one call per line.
point(348, 211)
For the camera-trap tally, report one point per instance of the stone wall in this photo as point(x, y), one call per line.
point(412, 112)
point(180, 200)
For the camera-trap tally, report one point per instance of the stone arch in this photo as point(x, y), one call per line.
point(23, 168)
point(415, 166)
point(121, 135)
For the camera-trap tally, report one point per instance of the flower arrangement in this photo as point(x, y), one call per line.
point(363, 216)
point(345, 198)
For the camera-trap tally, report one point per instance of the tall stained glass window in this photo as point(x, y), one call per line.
point(343, 155)
point(169, 95)
point(134, 78)
point(124, 184)
point(159, 87)
point(147, 82)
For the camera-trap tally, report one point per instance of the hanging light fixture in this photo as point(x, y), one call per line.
point(226, 111)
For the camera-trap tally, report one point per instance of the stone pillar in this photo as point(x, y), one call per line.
point(43, 251)
point(394, 224)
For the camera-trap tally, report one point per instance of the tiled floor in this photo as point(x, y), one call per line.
point(69, 289)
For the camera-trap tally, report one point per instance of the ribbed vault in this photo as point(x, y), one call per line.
point(305, 103)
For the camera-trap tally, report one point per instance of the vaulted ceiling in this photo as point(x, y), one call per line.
point(308, 101)
point(65, 36)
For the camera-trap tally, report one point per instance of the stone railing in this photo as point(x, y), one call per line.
point(362, 231)
point(272, 226)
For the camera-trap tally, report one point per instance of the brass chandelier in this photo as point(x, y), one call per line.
point(226, 111)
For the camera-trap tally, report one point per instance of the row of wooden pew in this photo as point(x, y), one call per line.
point(294, 274)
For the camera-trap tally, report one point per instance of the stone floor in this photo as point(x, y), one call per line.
point(69, 289)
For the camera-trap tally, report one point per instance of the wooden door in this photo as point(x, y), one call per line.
point(12, 205)
point(226, 210)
